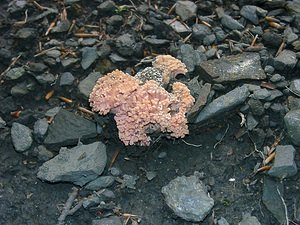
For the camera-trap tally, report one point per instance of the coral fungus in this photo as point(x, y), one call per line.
point(142, 106)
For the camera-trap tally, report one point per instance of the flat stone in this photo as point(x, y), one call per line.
point(265, 94)
point(200, 31)
point(223, 103)
point(187, 197)
point(232, 68)
point(62, 26)
point(177, 26)
point(86, 85)
point(15, 73)
point(2, 123)
point(66, 79)
point(89, 56)
point(292, 124)
point(100, 182)
point(46, 78)
point(26, 33)
point(67, 128)
point(21, 137)
point(231, 23)
point(295, 86)
point(78, 165)
point(249, 220)
point(284, 164)
point(40, 129)
point(186, 9)
point(112, 220)
point(286, 60)
point(272, 199)
point(68, 62)
point(155, 41)
point(37, 67)
point(43, 154)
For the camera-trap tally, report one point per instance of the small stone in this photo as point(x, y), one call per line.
point(21, 137)
point(107, 7)
point(251, 122)
point(100, 182)
point(187, 197)
point(154, 41)
point(272, 39)
point(46, 78)
point(249, 12)
point(249, 220)
point(15, 73)
point(222, 221)
point(78, 165)
point(37, 67)
point(115, 58)
point(86, 85)
point(186, 9)
point(125, 44)
point(19, 89)
point(112, 220)
point(88, 41)
point(257, 30)
point(220, 34)
point(115, 20)
point(2, 123)
point(129, 181)
point(62, 26)
point(231, 23)
point(89, 56)
point(53, 53)
point(284, 164)
point(66, 79)
point(40, 129)
point(26, 33)
point(177, 26)
point(276, 78)
point(68, 62)
point(295, 86)
point(209, 39)
point(43, 153)
point(200, 31)
point(293, 102)
point(269, 69)
point(292, 125)
point(286, 60)
point(115, 171)
point(151, 175)
point(162, 155)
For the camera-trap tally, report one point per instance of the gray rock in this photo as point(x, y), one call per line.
point(272, 199)
point(286, 60)
point(68, 62)
point(2, 123)
point(223, 103)
point(15, 73)
point(115, 58)
point(256, 107)
point(43, 153)
point(251, 122)
point(40, 129)
point(293, 102)
point(209, 39)
point(200, 31)
point(107, 7)
point(78, 165)
point(129, 181)
point(187, 197)
point(16, 6)
point(89, 56)
point(37, 67)
point(190, 57)
point(284, 164)
point(272, 39)
point(155, 41)
point(126, 44)
point(177, 26)
point(86, 85)
point(112, 220)
point(249, 12)
point(186, 9)
point(295, 86)
point(46, 78)
point(276, 78)
point(232, 68)
point(53, 53)
point(66, 79)
point(62, 26)
point(52, 112)
point(292, 125)
point(115, 171)
point(21, 137)
point(20, 89)
point(88, 41)
point(68, 128)
point(222, 221)
point(269, 69)
point(150, 175)
point(115, 20)
point(249, 220)
point(265, 94)
point(231, 23)
point(26, 33)
point(100, 182)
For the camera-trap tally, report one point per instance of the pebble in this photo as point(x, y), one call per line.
point(284, 164)
point(286, 60)
point(114, 171)
point(177, 26)
point(61, 26)
point(115, 58)
point(37, 67)
point(186, 9)
point(15, 73)
point(26, 33)
point(43, 154)
point(272, 39)
point(89, 56)
point(291, 120)
point(2, 123)
point(107, 7)
point(231, 23)
point(100, 182)
point(68, 62)
point(21, 137)
point(162, 155)
point(269, 69)
point(249, 12)
point(222, 221)
point(46, 78)
point(78, 165)
point(40, 129)
point(249, 220)
point(129, 181)
point(200, 31)
point(115, 20)
point(223, 103)
point(125, 44)
point(88, 41)
point(53, 53)
point(276, 78)
point(209, 39)
point(112, 220)
point(19, 89)
point(86, 85)
point(66, 79)
point(187, 197)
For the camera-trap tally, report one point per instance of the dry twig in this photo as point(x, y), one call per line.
point(14, 61)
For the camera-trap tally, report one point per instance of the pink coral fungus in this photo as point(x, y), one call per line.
point(141, 108)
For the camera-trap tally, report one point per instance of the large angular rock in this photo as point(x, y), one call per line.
point(78, 165)
point(223, 103)
point(292, 125)
point(187, 197)
point(232, 68)
point(21, 137)
point(67, 128)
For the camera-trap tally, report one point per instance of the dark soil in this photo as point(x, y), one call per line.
point(227, 164)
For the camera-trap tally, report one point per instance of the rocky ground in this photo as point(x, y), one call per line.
point(63, 164)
